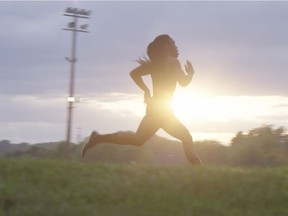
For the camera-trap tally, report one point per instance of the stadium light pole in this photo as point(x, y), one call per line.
point(73, 26)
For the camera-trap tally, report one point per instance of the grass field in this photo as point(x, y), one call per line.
point(53, 187)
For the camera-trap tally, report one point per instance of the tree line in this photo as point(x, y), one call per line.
point(263, 146)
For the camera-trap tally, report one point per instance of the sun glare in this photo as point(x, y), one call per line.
point(196, 106)
point(205, 114)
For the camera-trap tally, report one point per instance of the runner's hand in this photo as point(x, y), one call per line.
point(189, 68)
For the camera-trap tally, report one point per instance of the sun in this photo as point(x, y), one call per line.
point(196, 106)
point(181, 104)
point(193, 105)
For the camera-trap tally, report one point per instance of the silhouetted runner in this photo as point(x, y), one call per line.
point(165, 71)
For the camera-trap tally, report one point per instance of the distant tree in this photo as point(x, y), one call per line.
point(5, 146)
point(212, 152)
point(238, 139)
point(261, 146)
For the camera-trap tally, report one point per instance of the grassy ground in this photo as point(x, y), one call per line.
point(39, 187)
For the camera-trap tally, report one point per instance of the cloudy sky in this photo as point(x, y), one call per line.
point(239, 51)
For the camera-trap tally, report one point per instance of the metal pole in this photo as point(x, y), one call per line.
point(71, 87)
point(73, 26)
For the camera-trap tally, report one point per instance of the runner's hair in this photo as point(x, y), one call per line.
point(155, 50)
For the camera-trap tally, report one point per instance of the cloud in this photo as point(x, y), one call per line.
point(43, 119)
point(32, 109)
point(114, 111)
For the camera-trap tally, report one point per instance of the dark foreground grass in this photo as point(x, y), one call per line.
point(52, 188)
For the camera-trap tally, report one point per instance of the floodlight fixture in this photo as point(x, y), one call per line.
point(75, 12)
point(85, 26)
point(71, 99)
point(71, 24)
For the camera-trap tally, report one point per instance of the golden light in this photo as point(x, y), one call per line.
point(196, 106)
point(207, 116)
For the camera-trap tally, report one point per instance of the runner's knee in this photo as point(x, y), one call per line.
point(139, 141)
point(186, 137)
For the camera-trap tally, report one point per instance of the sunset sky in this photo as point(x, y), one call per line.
point(239, 50)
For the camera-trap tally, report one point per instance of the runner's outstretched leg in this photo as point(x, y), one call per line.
point(146, 129)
